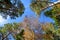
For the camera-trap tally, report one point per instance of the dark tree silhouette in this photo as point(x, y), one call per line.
point(7, 8)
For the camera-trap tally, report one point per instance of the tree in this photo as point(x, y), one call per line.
point(34, 29)
point(50, 32)
point(7, 8)
point(13, 30)
point(46, 31)
point(54, 13)
point(39, 5)
point(30, 28)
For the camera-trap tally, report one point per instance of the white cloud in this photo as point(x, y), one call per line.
point(2, 21)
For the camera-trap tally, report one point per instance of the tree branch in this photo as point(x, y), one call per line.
point(52, 4)
point(6, 36)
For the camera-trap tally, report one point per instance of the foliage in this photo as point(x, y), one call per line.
point(26, 30)
point(50, 32)
point(30, 28)
point(39, 5)
point(7, 8)
point(54, 13)
point(11, 29)
point(20, 36)
point(32, 25)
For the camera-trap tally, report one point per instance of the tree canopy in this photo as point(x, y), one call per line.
point(26, 30)
point(12, 8)
point(39, 5)
point(54, 13)
point(30, 28)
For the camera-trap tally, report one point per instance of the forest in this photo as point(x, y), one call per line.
point(31, 28)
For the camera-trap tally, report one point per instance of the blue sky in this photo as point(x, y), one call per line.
point(28, 12)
